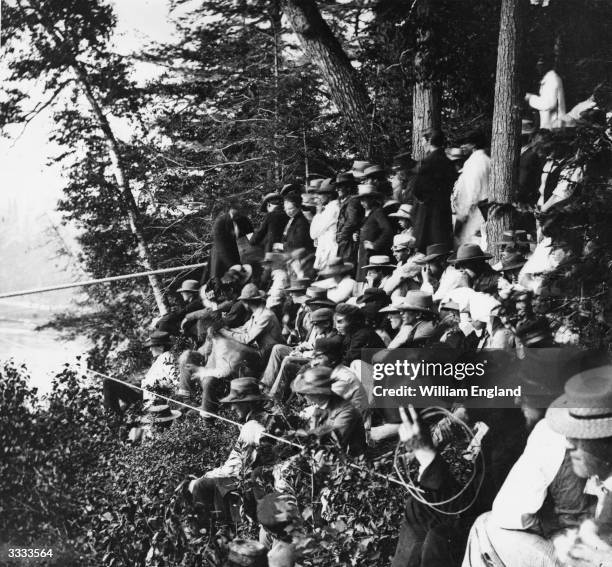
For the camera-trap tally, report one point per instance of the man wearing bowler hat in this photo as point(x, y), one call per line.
point(334, 416)
point(324, 224)
point(439, 277)
point(350, 216)
point(271, 228)
point(212, 490)
point(473, 262)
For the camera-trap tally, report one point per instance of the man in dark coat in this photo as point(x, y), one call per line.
point(273, 224)
point(349, 218)
point(432, 190)
point(376, 234)
point(297, 230)
point(225, 234)
point(349, 321)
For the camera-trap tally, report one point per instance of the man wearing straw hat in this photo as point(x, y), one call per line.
point(212, 489)
point(575, 437)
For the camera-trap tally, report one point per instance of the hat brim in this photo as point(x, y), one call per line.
point(390, 309)
point(376, 266)
point(372, 195)
point(455, 260)
point(252, 398)
point(299, 387)
point(399, 215)
point(560, 420)
point(415, 308)
point(182, 289)
point(515, 266)
point(152, 419)
point(324, 302)
point(255, 298)
point(336, 271)
point(430, 258)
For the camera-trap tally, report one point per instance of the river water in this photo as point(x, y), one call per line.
point(44, 352)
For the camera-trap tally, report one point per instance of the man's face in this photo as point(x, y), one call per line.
point(291, 209)
point(468, 270)
point(323, 326)
point(522, 308)
point(373, 275)
point(188, 296)
point(450, 314)
point(395, 319)
point(409, 317)
point(322, 359)
point(591, 457)
point(401, 254)
point(322, 199)
point(435, 268)
point(341, 323)
point(242, 409)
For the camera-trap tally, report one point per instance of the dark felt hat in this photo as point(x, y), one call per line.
point(243, 390)
point(329, 345)
point(190, 285)
point(158, 338)
point(276, 511)
point(299, 284)
point(316, 380)
point(161, 413)
point(322, 315)
point(327, 187)
point(275, 198)
point(533, 331)
point(290, 188)
point(345, 178)
point(468, 253)
point(433, 252)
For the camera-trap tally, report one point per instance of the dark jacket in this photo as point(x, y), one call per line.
point(432, 190)
point(346, 423)
point(357, 340)
point(530, 174)
point(377, 229)
point(270, 230)
point(297, 234)
point(486, 282)
point(224, 253)
point(349, 223)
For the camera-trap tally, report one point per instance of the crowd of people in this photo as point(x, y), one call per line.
point(377, 260)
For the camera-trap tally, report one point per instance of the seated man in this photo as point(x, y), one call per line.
point(162, 375)
point(334, 415)
point(439, 277)
point(262, 330)
point(212, 489)
point(173, 321)
point(417, 318)
point(547, 490)
point(340, 283)
point(328, 353)
point(349, 321)
point(285, 362)
point(407, 273)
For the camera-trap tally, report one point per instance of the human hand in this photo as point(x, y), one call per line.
point(355, 236)
point(414, 433)
point(368, 245)
point(425, 274)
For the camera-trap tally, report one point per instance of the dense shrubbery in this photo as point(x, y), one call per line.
point(69, 481)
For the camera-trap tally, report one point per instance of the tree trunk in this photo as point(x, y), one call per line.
point(506, 125)
point(124, 187)
point(324, 50)
point(426, 111)
point(115, 157)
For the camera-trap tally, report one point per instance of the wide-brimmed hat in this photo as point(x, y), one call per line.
point(369, 191)
point(328, 186)
point(190, 285)
point(455, 154)
point(403, 160)
point(584, 411)
point(511, 261)
point(314, 184)
point(359, 167)
point(393, 308)
point(403, 242)
point(244, 389)
point(337, 267)
point(160, 413)
point(329, 345)
point(277, 510)
point(158, 338)
point(314, 292)
point(250, 292)
point(238, 272)
point(416, 300)
point(374, 170)
point(298, 284)
point(290, 188)
point(379, 261)
point(373, 294)
point(317, 303)
point(316, 380)
point(346, 178)
point(321, 315)
point(309, 200)
point(433, 252)
point(469, 253)
point(404, 212)
point(275, 198)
